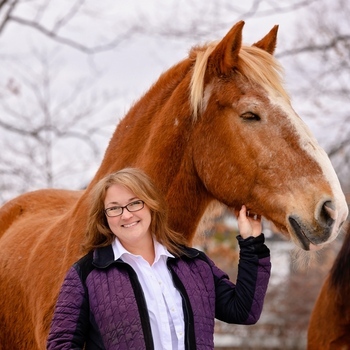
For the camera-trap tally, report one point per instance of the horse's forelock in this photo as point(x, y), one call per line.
point(197, 80)
point(256, 64)
point(261, 67)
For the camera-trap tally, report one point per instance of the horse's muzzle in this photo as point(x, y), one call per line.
point(320, 230)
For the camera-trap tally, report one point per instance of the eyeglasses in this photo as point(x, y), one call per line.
point(131, 207)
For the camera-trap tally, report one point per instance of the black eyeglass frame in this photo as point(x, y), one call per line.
point(107, 210)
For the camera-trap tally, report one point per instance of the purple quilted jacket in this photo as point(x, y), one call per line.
point(101, 304)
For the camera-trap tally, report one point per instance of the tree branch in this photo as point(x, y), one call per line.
point(66, 41)
point(71, 13)
point(8, 12)
point(315, 48)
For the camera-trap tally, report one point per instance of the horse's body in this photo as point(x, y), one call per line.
point(329, 327)
point(217, 127)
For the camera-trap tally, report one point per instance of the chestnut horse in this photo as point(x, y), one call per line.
point(216, 129)
point(329, 327)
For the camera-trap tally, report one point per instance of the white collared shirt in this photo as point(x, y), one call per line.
point(163, 300)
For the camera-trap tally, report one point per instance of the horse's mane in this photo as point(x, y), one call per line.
point(256, 64)
point(340, 272)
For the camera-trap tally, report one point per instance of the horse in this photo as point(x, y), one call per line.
point(329, 326)
point(216, 130)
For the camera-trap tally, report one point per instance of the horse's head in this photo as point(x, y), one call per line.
point(266, 156)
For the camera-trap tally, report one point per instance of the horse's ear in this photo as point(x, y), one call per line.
point(269, 41)
point(225, 55)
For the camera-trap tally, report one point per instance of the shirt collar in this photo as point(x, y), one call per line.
point(159, 249)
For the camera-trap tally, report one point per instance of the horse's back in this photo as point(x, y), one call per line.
point(48, 201)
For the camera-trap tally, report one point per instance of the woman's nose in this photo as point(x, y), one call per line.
point(126, 214)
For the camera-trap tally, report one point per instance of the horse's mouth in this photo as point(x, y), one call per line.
point(302, 237)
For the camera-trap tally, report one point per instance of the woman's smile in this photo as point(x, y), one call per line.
point(131, 224)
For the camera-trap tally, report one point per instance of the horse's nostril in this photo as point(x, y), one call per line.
point(328, 213)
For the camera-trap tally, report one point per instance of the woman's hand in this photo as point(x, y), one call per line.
point(248, 226)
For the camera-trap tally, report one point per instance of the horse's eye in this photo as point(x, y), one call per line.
point(249, 116)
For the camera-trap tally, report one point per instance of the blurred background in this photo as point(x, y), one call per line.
point(71, 69)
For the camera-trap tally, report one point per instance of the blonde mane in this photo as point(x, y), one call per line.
point(256, 64)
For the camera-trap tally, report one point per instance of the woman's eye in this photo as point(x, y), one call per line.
point(114, 208)
point(249, 116)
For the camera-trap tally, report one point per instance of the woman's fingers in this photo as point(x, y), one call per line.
point(249, 223)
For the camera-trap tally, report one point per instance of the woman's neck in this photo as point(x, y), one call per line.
point(146, 250)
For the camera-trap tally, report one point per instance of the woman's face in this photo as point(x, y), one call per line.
point(132, 228)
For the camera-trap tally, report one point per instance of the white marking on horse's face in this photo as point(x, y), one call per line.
point(206, 96)
point(309, 143)
point(176, 122)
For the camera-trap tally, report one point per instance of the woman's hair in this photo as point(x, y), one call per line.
point(98, 232)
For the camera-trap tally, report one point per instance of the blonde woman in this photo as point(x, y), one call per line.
point(141, 287)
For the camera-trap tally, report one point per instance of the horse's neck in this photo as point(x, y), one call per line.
point(154, 131)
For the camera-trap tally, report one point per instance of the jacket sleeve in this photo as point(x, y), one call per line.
point(242, 303)
point(69, 325)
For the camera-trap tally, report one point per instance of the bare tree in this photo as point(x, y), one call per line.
point(42, 125)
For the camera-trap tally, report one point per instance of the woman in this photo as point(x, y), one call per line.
point(141, 287)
